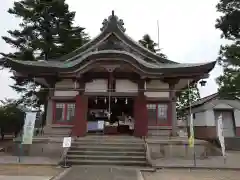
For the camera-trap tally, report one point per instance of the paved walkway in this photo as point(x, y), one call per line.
point(232, 162)
point(25, 178)
point(100, 173)
point(196, 174)
point(28, 160)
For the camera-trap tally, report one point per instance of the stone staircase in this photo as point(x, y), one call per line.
point(107, 150)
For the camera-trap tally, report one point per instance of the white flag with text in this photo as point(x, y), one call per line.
point(220, 133)
point(28, 128)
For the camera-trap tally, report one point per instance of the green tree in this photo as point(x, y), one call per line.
point(185, 98)
point(148, 43)
point(46, 32)
point(11, 118)
point(229, 55)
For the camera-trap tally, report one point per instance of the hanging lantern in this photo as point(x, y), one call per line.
point(203, 83)
point(126, 101)
point(105, 100)
point(115, 100)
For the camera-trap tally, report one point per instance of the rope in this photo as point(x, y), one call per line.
point(96, 89)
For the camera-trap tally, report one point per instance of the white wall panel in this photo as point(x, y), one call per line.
point(65, 93)
point(200, 119)
point(97, 85)
point(157, 84)
point(67, 83)
point(124, 85)
point(210, 118)
point(157, 94)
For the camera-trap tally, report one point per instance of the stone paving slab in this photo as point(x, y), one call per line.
point(186, 174)
point(100, 173)
point(232, 162)
point(25, 177)
point(28, 160)
point(25, 170)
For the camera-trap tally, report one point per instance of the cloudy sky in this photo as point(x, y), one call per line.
point(186, 28)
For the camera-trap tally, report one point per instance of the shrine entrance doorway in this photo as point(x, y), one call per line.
point(112, 115)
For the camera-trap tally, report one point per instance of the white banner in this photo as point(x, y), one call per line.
point(220, 134)
point(28, 128)
point(191, 137)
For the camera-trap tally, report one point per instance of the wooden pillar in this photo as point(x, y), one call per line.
point(140, 112)
point(172, 105)
point(51, 80)
point(110, 82)
point(81, 108)
point(81, 85)
point(80, 120)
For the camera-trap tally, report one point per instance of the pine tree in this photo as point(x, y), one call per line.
point(148, 43)
point(229, 55)
point(46, 32)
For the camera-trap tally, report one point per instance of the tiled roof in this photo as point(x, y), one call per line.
point(139, 56)
point(204, 100)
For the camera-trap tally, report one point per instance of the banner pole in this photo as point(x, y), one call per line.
point(191, 126)
point(20, 152)
point(66, 145)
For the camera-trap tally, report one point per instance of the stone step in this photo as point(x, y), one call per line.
point(107, 157)
point(108, 143)
point(159, 133)
point(109, 136)
point(108, 148)
point(120, 153)
point(160, 127)
point(56, 135)
point(110, 140)
point(107, 162)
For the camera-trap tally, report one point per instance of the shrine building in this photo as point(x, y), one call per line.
point(95, 88)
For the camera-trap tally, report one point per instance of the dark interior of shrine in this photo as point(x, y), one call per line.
point(98, 108)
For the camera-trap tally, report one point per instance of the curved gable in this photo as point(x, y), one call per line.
point(113, 26)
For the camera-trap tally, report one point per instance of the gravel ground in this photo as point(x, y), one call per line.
point(184, 174)
point(24, 170)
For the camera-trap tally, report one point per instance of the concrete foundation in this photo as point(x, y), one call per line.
point(178, 148)
point(41, 147)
